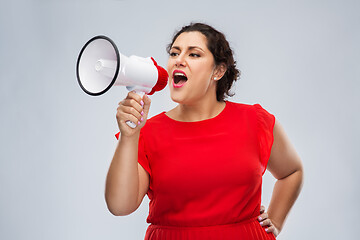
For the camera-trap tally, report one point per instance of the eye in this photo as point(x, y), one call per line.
point(194, 55)
point(173, 54)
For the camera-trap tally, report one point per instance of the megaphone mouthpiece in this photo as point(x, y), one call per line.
point(162, 78)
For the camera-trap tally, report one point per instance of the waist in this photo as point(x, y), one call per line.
point(249, 229)
point(246, 221)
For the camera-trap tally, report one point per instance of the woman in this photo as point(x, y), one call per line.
point(202, 162)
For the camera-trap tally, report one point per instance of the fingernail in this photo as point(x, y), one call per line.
point(139, 122)
point(259, 218)
point(266, 229)
point(142, 119)
point(142, 113)
point(261, 223)
point(142, 103)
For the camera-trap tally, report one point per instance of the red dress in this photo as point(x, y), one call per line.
point(206, 176)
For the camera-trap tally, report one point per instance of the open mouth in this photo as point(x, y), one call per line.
point(179, 78)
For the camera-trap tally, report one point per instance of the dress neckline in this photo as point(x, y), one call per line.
point(223, 111)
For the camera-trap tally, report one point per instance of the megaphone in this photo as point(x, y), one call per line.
point(100, 66)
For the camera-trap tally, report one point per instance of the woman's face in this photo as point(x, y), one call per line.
point(191, 66)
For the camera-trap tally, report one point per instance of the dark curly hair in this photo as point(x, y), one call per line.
point(220, 49)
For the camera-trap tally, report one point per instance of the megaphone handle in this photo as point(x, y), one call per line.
point(130, 123)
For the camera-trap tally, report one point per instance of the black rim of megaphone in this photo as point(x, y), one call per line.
point(117, 65)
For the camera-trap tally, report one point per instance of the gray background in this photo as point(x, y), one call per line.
point(299, 60)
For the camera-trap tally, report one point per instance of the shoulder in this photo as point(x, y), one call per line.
point(253, 112)
point(234, 106)
point(154, 123)
point(245, 108)
point(262, 113)
point(156, 118)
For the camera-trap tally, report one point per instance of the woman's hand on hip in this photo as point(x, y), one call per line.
point(135, 109)
point(266, 222)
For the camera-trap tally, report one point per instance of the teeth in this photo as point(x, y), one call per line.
point(179, 74)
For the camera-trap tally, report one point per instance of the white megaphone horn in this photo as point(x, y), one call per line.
point(100, 65)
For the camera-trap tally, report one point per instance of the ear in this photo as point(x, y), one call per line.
point(219, 71)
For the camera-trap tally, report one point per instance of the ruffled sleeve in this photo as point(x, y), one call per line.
point(265, 127)
point(142, 156)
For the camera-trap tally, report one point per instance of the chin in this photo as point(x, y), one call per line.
point(178, 98)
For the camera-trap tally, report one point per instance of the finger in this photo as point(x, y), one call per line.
point(270, 229)
point(266, 223)
point(147, 102)
point(262, 209)
point(146, 99)
point(129, 102)
point(135, 96)
point(128, 117)
point(121, 102)
point(124, 112)
point(263, 216)
point(146, 106)
point(134, 112)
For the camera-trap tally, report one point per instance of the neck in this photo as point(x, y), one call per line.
point(198, 111)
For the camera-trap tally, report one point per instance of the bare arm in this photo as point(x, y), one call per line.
point(127, 181)
point(286, 166)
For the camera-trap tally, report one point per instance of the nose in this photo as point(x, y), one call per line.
point(180, 61)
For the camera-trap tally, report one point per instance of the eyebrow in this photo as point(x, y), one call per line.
point(189, 48)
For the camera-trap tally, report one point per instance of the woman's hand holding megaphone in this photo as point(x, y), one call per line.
point(135, 109)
